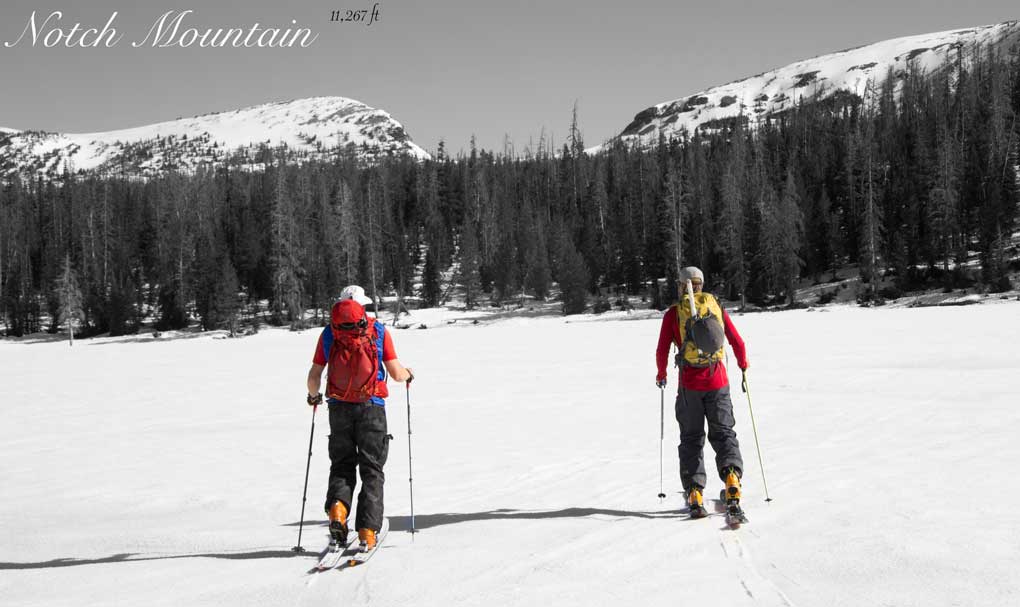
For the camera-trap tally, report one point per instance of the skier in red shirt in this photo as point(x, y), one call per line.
point(358, 356)
point(704, 391)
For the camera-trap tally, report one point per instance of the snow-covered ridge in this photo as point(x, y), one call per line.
point(314, 126)
point(6, 131)
point(847, 71)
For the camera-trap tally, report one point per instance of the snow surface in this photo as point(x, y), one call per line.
point(850, 70)
point(302, 124)
point(141, 471)
point(8, 131)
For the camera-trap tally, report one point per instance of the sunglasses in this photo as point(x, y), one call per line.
point(348, 326)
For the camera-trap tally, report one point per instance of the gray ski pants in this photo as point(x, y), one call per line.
point(358, 440)
point(693, 408)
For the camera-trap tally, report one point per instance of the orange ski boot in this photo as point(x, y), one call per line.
point(731, 497)
point(338, 522)
point(732, 491)
point(367, 539)
point(696, 503)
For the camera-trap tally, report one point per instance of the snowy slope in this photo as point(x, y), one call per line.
point(306, 125)
point(169, 472)
point(848, 71)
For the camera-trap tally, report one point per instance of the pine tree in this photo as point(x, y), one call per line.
point(731, 236)
point(436, 235)
point(536, 260)
point(348, 241)
point(944, 193)
point(376, 205)
point(573, 278)
point(227, 302)
point(69, 295)
point(287, 288)
point(431, 291)
point(600, 259)
point(470, 261)
point(675, 203)
point(791, 226)
point(871, 191)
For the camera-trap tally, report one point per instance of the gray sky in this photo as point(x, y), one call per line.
point(445, 69)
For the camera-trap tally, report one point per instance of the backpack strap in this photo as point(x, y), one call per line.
point(379, 341)
point(327, 341)
point(682, 337)
point(679, 338)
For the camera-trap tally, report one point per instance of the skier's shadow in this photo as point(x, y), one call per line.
point(131, 557)
point(428, 521)
point(397, 523)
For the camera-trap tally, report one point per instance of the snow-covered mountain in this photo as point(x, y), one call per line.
point(313, 126)
point(848, 71)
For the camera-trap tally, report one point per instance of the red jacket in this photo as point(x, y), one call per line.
point(701, 379)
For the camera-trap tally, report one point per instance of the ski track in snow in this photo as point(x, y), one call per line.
point(756, 585)
point(168, 472)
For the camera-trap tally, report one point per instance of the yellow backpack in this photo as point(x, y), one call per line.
point(702, 334)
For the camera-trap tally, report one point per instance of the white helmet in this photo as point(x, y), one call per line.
point(356, 293)
point(691, 273)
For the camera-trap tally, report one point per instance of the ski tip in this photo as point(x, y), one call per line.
point(735, 522)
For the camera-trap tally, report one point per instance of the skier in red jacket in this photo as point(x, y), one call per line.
point(358, 356)
point(704, 392)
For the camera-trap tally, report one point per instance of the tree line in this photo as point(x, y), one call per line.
point(908, 186)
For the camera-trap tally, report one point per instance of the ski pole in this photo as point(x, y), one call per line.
point(410, 469)
point(304, 493)
point(743, 386)
point(662, 433)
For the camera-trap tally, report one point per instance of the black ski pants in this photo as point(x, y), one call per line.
point(358, 440)
point(693, 409)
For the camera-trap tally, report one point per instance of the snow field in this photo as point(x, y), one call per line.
point(169, 472)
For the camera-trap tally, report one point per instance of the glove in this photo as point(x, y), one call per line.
point(660, 381)
point(315, 399)
point(743, 364)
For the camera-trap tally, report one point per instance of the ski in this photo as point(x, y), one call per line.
point(361, 555)
point(334, 555)
point(696, 512)
point(735, 516)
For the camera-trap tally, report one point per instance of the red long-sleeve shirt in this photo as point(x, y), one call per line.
point(701, 379)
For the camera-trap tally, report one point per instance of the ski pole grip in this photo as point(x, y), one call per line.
point(743, 382)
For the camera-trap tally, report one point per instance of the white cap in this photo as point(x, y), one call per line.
point(356, 293)
point(691, 273)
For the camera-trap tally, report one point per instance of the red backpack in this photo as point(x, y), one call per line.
point(353, 371)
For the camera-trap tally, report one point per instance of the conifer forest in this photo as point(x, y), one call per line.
point(915, 188)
